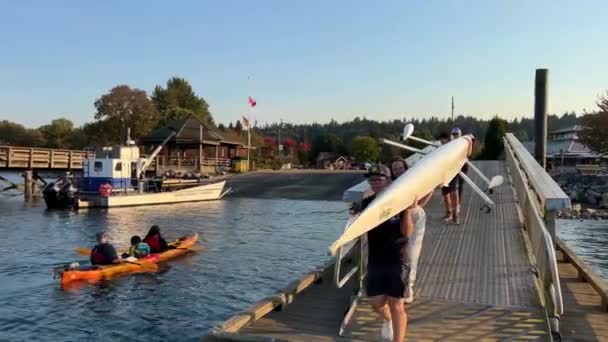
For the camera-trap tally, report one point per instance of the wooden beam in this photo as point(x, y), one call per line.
point(585, 273)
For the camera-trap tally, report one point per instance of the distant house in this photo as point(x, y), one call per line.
point(196, 147)
point(343, 163)
point(325, 159)
point(565, 151)
point(331, 160)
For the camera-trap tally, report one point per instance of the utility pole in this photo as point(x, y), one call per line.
point(280, 146)
point(452, 113)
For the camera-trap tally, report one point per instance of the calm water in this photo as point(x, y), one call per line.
point(589, 240)
point(253, 248)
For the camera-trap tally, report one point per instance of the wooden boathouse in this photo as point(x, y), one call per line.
point(196, 147)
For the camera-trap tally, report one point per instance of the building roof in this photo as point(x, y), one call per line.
point(188, 132)
point(575, 128)
point(570, 148)
point(327, 156)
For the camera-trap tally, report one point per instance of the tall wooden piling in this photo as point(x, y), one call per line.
point(29, 184)
point(540, 115)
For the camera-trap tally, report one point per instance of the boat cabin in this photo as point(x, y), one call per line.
point(115, 165)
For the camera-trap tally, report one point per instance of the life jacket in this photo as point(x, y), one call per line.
point(139, 250)
point(154, 243)
point(97, 258)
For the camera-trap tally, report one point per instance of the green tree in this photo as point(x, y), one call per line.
point(13, 134)
point(238, 128)
point(493, 144)
point(58, 133)
point(221, 127)
point(365, 149)
point(96, 134)
point(595, 127)
point(124, 107)
point(327, 143)
point(178, 100)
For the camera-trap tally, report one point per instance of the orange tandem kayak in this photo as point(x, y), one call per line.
point(182, 246)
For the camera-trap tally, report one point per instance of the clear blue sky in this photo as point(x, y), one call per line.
point(310, 60)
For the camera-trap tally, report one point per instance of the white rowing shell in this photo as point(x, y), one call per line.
point(436, 168)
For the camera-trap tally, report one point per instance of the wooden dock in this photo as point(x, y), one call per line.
point(475, 282)
point(33, 158)
point(585, 298)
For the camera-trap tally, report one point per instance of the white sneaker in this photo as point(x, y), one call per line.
point(387, 330)
point(409, 295)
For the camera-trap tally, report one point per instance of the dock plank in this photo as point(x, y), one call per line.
point(583, 318)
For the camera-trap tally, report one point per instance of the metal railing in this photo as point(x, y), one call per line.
point(538, 198)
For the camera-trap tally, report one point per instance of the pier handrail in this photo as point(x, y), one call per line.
point(538, 196)
point(547, 192)
point(341, 252)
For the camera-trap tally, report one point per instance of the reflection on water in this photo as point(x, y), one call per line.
point(588, 239)
point(252, 249)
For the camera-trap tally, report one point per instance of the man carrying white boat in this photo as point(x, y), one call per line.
point(388, 273)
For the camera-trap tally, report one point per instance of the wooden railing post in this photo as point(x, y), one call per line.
point(31, 161)
point(9, 157)
point(550, 217)
point(70, 160)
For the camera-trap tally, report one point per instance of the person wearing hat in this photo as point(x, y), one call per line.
point(414, 244)
point(387, 272)
point(104, 253)
point(457, 133)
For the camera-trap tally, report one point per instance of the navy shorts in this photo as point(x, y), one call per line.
point(452, 186)
point(389, 280)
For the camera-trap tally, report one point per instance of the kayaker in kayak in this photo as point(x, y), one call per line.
point(104, 253)
point(138, 248)
point(155, 240)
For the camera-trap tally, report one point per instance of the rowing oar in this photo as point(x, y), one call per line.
point(148, 266)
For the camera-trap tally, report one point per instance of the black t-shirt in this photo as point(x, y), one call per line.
point(465, 168)
point(386, 243)
point(103, 254)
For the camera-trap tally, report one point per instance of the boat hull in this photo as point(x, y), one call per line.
point(435, 169)
point(207, 192)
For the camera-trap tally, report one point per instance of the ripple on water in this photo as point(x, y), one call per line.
point(252, 249)
point(588, 239)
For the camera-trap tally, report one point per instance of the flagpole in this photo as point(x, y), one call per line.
point(249, 126)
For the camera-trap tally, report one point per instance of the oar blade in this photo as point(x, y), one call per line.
point(407, 131)
point(495, 182)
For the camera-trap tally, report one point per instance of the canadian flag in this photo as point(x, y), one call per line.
point(252, 102)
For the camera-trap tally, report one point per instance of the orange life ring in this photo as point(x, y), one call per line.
point(105, 190)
